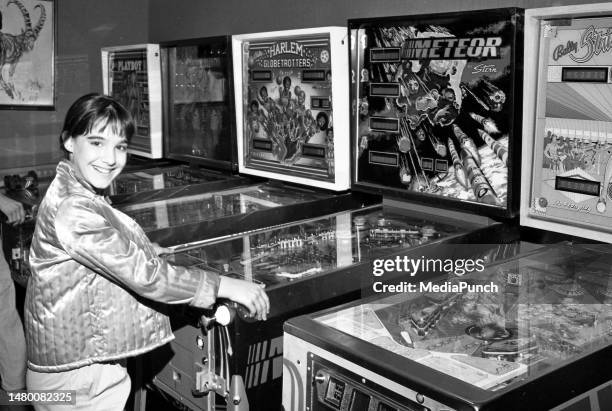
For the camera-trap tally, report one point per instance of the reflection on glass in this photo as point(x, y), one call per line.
point(158, 179)
point(296, 251)
point(162, 214)
point(199, 101)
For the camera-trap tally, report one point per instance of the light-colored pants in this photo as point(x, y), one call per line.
point(98, 387)
point(12, 340)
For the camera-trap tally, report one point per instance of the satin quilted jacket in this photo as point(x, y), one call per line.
point(95, 276)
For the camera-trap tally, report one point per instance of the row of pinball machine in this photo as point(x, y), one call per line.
point(424, 197)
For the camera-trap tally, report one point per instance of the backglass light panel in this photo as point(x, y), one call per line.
point(132, 74)
point(567, 170)
point(291, 93)
point(199, 102)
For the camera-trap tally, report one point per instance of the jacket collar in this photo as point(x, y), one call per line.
point(70, 176)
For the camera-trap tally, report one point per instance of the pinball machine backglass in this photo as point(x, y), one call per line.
point(132, 74)
point(294, 92)
point(567, 169)
point(434, 107)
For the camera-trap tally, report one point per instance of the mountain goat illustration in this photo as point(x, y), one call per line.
point(14, 46)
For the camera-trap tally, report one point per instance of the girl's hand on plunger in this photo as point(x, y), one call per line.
point(251, 295)
point(159, 250)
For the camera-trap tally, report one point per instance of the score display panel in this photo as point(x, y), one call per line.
point(567, 178)
point(433, 108)
point(132, 75)
point(293, 123)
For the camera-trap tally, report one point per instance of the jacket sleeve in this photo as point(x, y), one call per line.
point(91, 240)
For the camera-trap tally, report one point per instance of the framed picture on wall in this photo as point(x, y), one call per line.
point(27, 53)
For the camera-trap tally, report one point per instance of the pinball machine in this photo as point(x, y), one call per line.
point(321, 262)
point(532, 331)
point(305, 266)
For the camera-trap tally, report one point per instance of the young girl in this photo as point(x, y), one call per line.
point(95, 274)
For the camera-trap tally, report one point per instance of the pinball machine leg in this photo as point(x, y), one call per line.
point(140, 391)
point(140, 399)
point(237, 400)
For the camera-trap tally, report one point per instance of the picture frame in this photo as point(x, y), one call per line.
point(27, 68)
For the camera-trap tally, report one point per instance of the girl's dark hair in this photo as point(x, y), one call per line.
point(96, 110)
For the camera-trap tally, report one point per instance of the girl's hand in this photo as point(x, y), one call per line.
point(13, 210)
point(251, 295)
point(159, 250)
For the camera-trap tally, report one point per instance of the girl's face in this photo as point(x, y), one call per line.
point(99, 155)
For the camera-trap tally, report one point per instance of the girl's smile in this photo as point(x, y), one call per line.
point(99, 156)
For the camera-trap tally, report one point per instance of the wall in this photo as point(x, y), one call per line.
point(169, 20)
point(29, 137)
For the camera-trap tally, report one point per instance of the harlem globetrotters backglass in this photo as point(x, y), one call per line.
point(567, 177)
point(132, 74)
point(291, 92)
point(434, 102)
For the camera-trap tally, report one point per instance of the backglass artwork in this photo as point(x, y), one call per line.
point(132, 74)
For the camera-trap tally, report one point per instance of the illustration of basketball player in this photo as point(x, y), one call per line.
point(285, 93)
point(322, 121)
point(301, 100)
point(263, 97)
point(253, 117)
